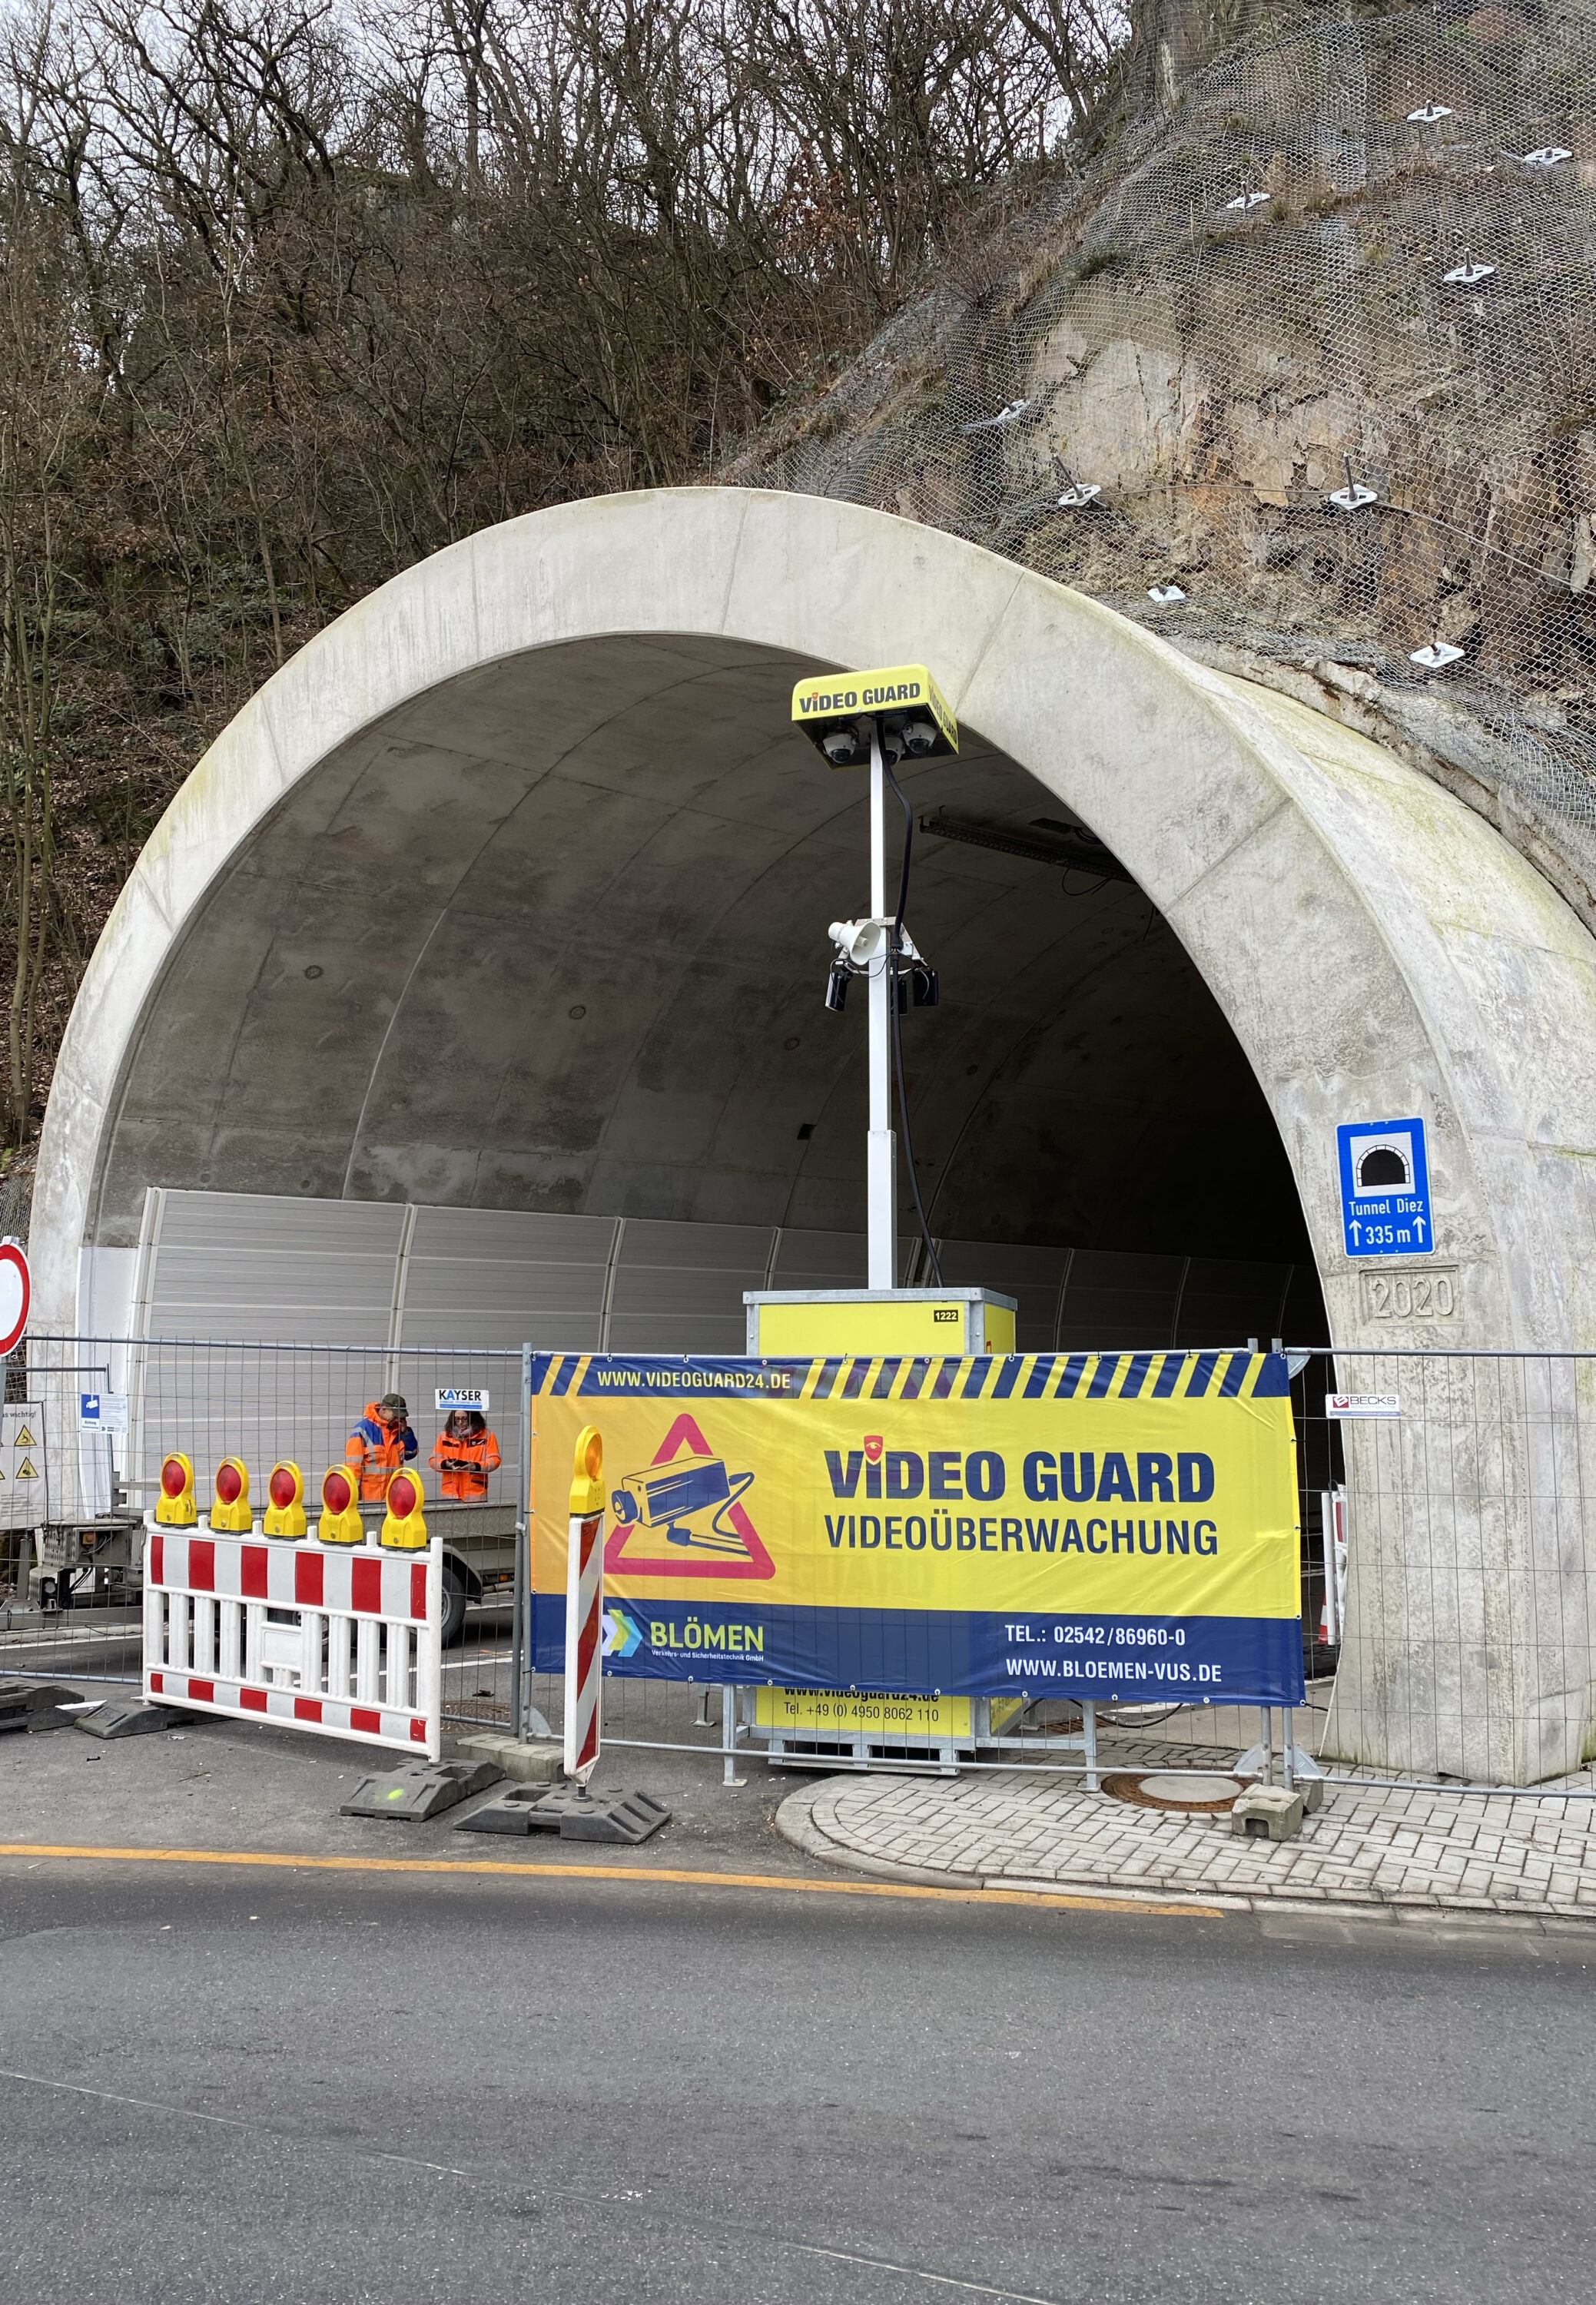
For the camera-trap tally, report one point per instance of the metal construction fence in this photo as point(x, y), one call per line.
point(1449, 1607)
point(72, 1494)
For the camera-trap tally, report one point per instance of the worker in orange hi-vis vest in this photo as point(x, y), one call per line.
point(466, 1452)
point(380, 1444)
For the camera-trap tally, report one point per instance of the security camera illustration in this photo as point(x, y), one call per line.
point(671, 1496)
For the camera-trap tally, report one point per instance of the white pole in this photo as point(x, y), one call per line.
point(881, 1158)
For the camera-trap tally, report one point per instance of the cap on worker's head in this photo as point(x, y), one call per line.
point(394, 1402)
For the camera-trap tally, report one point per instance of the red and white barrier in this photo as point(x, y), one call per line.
point(343, 1641)
point(584, 1608)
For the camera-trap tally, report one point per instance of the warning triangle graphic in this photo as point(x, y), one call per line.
point(683, 1516)
point(25, 1471)
point(23, 1440)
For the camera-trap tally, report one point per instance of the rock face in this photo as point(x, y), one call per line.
point(1354, 249)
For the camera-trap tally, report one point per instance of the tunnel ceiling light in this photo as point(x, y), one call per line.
point(1074, 845)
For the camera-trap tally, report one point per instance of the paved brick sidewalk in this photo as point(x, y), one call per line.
point(1367, 1846)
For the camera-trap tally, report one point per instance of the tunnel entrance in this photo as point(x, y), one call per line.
point(551, 939)
point(492, 929)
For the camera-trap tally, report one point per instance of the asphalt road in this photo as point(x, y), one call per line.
point(227, 2085)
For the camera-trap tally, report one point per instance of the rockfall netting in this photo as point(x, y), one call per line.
point(1298, 369)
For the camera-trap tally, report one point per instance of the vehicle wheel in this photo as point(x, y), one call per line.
point(454, 1602)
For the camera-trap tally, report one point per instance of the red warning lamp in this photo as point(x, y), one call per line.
point(340, 1522)
point(232, 1508)
point(177, 1507)
point(285, 1514)
point(404, 1530)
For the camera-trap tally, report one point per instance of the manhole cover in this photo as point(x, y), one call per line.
point(1199, 1792)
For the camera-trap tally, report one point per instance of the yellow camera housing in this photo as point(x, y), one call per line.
point(898, 701)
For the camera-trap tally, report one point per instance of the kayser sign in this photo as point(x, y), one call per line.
point(1092, 1524)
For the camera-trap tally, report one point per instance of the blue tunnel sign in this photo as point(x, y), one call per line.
point(1385, 1189)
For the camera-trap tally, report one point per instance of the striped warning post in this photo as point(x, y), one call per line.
point(328, 1638)
point(585, 1608)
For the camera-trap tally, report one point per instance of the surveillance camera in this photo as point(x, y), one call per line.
point(842, 747)
point(919, 737)
point(891, 745)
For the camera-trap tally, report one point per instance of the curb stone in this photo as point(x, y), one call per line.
point(795, 1821)
point(795, 1824)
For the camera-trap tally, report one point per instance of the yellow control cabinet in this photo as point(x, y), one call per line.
point(800, 1324)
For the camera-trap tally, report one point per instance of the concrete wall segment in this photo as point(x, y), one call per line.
point(1178, 767)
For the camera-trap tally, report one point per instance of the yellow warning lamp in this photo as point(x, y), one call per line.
point(178, 1506)
point(285, 1514)
point(231, 1509)
point(402, 1529)
point(340, 1522)
point(587, 1480)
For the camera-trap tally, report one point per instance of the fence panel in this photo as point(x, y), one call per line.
point(72, 1610)
point(1463, 1647)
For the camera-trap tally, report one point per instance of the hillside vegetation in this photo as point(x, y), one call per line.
point(296, 294)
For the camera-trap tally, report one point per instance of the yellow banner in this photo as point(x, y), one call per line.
point(1069, 1504)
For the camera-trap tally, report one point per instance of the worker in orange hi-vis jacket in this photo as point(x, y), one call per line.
point(466, 1452)
point(380, 1444)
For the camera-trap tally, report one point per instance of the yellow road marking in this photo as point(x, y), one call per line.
point(450, 1865)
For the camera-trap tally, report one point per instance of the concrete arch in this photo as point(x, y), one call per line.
point(1373, 947)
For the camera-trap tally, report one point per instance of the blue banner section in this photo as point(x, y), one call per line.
point(924, 1653)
